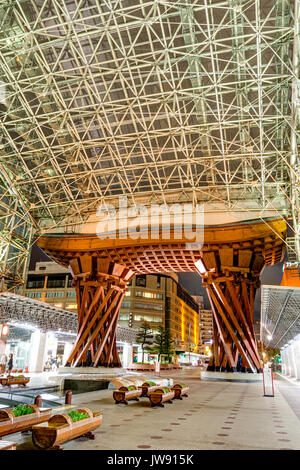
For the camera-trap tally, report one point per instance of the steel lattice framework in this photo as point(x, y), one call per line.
point(183, 100)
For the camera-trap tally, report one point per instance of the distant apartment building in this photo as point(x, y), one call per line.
point(156, 298)
point(206, 329)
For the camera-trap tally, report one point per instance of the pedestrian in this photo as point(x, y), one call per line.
point(3, 362)
point(53, 364)
point(10, 363)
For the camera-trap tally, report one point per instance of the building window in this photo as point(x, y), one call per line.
point(148, 295)
point(125, 304)
point(71, 294)
point(34, 295)
point(56, 282)
point(72, 306)
point(148, 306)
point(158, 278)
point(149, 318)
point(140, 280)
point(35, 284)
point(124, 317)
point(54, 294)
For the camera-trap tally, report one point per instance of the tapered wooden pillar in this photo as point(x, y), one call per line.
point(231, 278)
point(100, 286)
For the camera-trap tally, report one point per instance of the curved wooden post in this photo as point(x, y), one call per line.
point(100, 287)
point(231, 276)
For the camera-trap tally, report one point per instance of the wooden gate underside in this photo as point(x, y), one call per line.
point(230, 262)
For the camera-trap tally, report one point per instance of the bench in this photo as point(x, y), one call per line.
point(9, 423)
point(61, 428)
point(180, 390)
point(160, 396)
point(148, 387)
point(8, 445)
point(14, 380)
point(124, 394)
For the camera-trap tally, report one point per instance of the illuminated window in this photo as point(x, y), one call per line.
point(72, 306)
point(123, 317)
point(149, 318)
point(149, 295)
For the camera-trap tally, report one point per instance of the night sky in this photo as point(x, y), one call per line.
point(192, 281)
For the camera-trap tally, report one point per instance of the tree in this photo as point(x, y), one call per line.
point(168, 344)
point(144, 337)
point(159, 342)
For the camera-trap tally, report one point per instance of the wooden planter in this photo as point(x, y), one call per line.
point(7, 445)
point(60, 428)
point(146, 388)
point(123, 395)
point(180, 390)
point(160, 396)
point(11, 380)
point(9, 423)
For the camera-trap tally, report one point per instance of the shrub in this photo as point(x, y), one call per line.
point(21, 410)
point(77, 415)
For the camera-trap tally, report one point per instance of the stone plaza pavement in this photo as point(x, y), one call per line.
point(216, 415)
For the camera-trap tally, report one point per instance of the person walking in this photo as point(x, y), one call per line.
point(3, 363)
point(10, 363)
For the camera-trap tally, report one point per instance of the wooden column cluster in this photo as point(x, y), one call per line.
point(231, 278)
point(100, 286)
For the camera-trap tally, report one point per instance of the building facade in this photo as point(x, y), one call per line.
point(206, 330)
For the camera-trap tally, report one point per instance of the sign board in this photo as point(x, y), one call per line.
point(268, 381)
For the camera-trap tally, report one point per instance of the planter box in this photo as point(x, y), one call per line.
point(9, 423)
point(147, 388)
point(11, 380)
point(123, 395)
point(7, 445)
point(160, 396)
point(180, 390)
point(60, 428)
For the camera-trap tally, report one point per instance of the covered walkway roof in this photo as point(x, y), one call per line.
point(280, 315)
point(22, 311)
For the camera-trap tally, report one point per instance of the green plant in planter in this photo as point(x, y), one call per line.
point(166, 390)
point(131, 387)
point(77, 415)
point(149, 382)
point(21, 410)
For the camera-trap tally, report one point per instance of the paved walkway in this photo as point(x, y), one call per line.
point(216, 415)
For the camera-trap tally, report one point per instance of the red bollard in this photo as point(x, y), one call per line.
point(38, 401)
point(68, 399)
